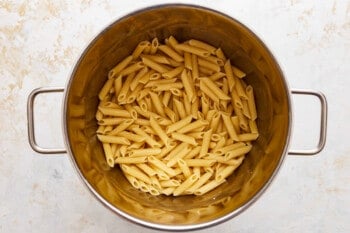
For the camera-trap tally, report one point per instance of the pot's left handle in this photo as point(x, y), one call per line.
point(30, 120)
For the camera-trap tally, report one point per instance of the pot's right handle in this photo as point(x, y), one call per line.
point(30, 119)
point(323, 125)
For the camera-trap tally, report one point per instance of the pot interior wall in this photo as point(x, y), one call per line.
point(183, 22)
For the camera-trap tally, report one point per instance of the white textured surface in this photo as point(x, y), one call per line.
point(39, 43)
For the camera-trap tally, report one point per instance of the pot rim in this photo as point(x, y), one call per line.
point(153, 225)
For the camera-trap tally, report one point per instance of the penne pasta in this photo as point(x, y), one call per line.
point(178, 119)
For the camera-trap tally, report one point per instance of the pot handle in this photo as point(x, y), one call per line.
point(323, 125)
point(30, 120)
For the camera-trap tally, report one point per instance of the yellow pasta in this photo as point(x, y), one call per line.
point(140, 48)
point(154, 65)
point(184, 138)
point(176, 117)
point(171, 53)
point(186, 184)
point(194, 50)
point(129, 160)
point(187, 85)
point(173, 73)
point(120, 66)
point(113, 139)
point(229, 75)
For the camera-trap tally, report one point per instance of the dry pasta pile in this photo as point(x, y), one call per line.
point(177, 117)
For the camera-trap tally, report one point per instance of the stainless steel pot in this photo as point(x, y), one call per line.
point(273, 98)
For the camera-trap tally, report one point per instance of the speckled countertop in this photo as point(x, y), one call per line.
point(39, 43)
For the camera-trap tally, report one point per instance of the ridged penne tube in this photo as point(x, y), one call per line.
point(120, 66)
point(196, 135)
point(239, 87)
point(185, 185)
point(135, 172)
point(215, 89)
point(184, 138)
point(111, 121)
point(220, 54)
point(133, 95)
point(237, 152)
point(208, 187)
point(193, 153)
point(108, 154)
point(239, 73)
point(180, 108)
point(171, 41)
point(105, 89)
point(162, 135)
point(215, 60)
point(182, 153)
point(131, 136)
point(205, 89)
point(146, 169)
point(235, 122)
point(171, 53)
point(195, 71)
point(202, 45)
point(187, 85)
point(148, 139)
point(114, 112)
point(225, 173)
point(159, 164)
point(113, 139)
point(140, 48)
point(154, 65)
point(130, 160)
point(176, 92)
point(228, 148)
point(143, 93)
point(167, 86)
point(157, 104)
point(138, 76)
point(125, 88)
point(131, 110)
point(166, 150)
point(144, 79)
point(205, 143)
point(175, 151)
point(133, 181)
point(216, 76)
point(205, 104)
point(204, 71)
point(132, 68)
point(243, 121)
point(248, 136)
point(194, 125)
point(229, 126)
point(121, 127)
point(169, 183)
point(145, 152)
point(184, 168)
point(251, 102)
point(229, 75)
point(214, 123)
point(194, 50)
point(201, 181)
point(173, 73)
point(154, 45)
point(200, 162)
point(153, 83)
point(208, 65)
